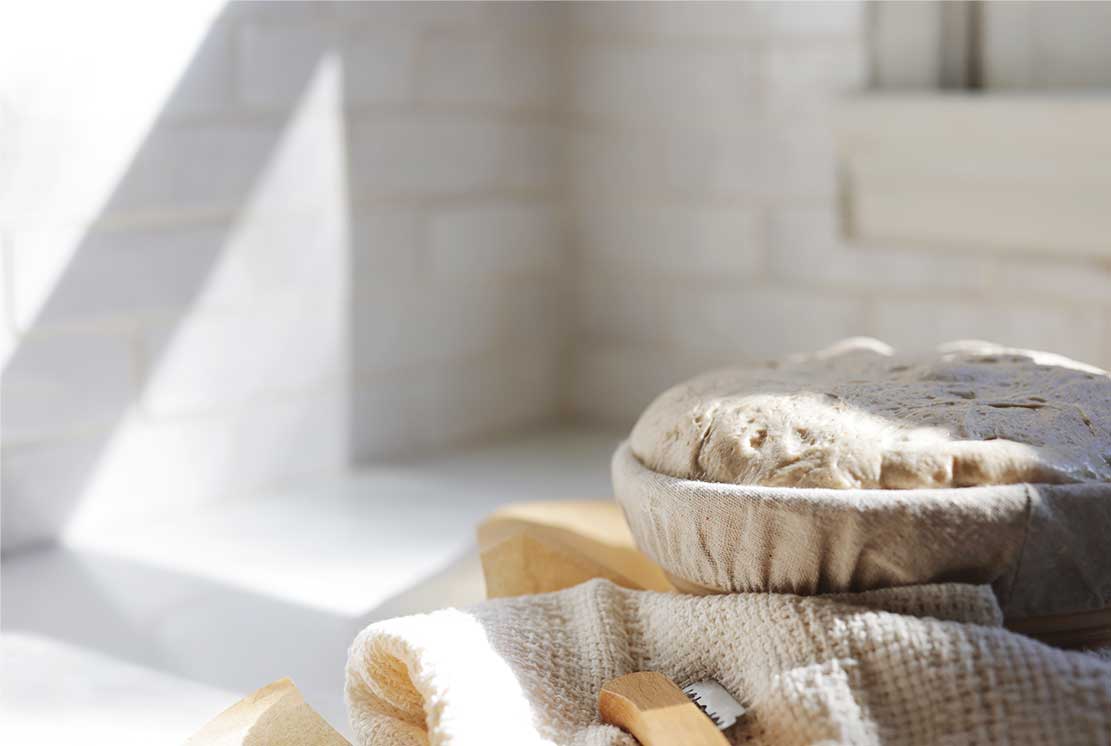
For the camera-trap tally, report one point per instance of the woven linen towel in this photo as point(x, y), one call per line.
point(914, 665)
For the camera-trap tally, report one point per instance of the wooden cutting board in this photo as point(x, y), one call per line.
point(275, 715)
point(538, 547)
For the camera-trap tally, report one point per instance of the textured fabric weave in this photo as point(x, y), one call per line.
point(917, 665)
point(1043, 548)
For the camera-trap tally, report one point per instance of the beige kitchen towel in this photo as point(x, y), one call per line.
point(915, 665)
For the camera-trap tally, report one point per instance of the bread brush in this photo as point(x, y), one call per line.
point(658, 713)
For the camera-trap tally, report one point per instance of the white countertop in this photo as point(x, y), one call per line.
point(221, 601)
point(55, 693)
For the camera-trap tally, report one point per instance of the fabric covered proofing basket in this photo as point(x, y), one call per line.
point(1044, 549)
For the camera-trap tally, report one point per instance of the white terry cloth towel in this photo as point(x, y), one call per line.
point(915, 665)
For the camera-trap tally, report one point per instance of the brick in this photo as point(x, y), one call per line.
point(474, 242)
point(1105, 362)
point(489, 72)
point(425, 16)
point(164, 175)
point(149, 467)
point(525, 17)
point(378, 69)
point(464, 319)
point(273, 248)
point(388, 316)
point(1068, 44)
point(720, 20)
point(205, 362)
point(615, 166)
point(43, 487)
point(432, 321)
point(661, 84)
point(304, 173)
point(444, 158)
point(600, 389)
point(613, 383)
point(8, 341)
point(388, 246)
point(1062, 279)
point(923, 324)
point(806, 248)
point(768, 162)
point(7, 304)
point(63, 381)
point(64, 275)
point(392, 325)
point(804, 82)
point(620, 306)
point(206, 86)
point(392, 414)
point(759, 323)
point(809, 19)
point(907, 47)
point(279, 258)
point(472, 396)
point(504, 389)
point(672, 239)
point(80, 107)
point(278, 63)
point(73, 274)
point(663, 19)
point(55, 170)
point(286, 12)
point(756, 161)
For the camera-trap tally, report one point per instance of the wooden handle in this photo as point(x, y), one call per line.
point(547, 546)
point(651, 707)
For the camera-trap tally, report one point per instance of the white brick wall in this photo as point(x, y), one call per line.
point(59, 381)
point(698, 239)
point(109, 272)
point(755, 323)
point(471, 243)
point(446, 156)
point(307, 234)
point(704, 214)
point(918, 324)
point(520, 73)
point(304, 234)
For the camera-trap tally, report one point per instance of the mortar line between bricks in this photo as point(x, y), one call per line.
point(7, 258)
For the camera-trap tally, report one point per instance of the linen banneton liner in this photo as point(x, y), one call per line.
point(1043, 548)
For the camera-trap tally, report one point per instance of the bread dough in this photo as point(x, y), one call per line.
point(859, 416)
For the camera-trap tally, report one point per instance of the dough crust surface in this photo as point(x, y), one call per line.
point(859, 416)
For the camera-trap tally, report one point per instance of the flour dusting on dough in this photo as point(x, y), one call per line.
point(859, 416)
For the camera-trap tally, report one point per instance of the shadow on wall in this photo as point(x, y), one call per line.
point(191, 337)
point(335, 237)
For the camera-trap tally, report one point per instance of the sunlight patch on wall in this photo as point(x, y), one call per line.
point(249, 384)
point(80, 88)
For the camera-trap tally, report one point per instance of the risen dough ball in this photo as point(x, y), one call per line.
point(857, 415)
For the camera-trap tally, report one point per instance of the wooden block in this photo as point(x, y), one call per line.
point(276, 715)
point(548, 546)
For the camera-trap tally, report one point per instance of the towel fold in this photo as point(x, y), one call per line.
point(915, 665)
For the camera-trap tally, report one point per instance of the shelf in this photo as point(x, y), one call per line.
point(1019, 174)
